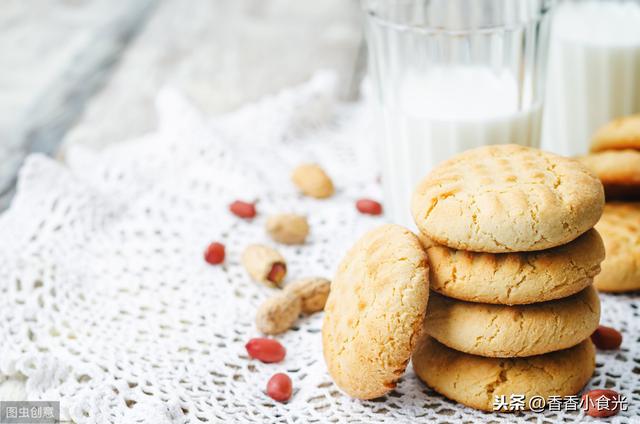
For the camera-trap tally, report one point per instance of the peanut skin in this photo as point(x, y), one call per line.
point(606, 338)
point(312, 181)
point(278, 313)
point(313, 293)
point(264, 264)
point(288, 228)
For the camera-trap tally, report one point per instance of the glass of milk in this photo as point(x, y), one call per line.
point(451, 75)
point(594, 71)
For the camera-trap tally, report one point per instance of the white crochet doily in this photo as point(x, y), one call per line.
point(107, 304)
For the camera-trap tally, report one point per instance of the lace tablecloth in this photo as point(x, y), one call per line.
point(107, 304)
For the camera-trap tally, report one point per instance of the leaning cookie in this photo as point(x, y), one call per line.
point(507, 198)
point(619, 134)
point(515, 278)
point(513, 331)
point(375, 311)
point(619, 171)
point(620, 229)
point(477, 382)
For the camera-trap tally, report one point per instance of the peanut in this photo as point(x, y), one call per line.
point(243, 209)
point(369, 207)
point(279, 387)
point(264, 264)
point(278, 313)
point(313, 293)
point(601, 403)
point(265, 350)
point(606, 338)
point(312, 181)
point(214, 253)
point(288, 228)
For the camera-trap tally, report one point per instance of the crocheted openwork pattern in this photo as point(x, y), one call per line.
point(107, 304)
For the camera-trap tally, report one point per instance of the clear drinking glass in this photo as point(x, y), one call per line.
point(451, 75)
point(594, 71)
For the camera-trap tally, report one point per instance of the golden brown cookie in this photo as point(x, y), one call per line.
point(510, 331)
point(620, 230)
point(619, 134)
point(476, 381)
point(516, 278)
point(507, 198)
point(619, 171)
point(375, 311)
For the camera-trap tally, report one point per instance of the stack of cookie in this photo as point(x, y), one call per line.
point(615, 158)
point(508, 232)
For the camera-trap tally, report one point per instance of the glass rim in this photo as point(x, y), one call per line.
point(371, 14)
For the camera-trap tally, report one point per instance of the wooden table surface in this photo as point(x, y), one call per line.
point(87, 71)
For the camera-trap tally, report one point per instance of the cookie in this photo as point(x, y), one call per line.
point(619, 171)
point(375, 311)
point(512, 331)
point(476, 381)
point(620, 230)
point(507, 198)
point(516, 278)
point(619, 134)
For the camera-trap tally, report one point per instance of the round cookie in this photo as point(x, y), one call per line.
point(513, 331)
point(515, 278)
point(619, 134)
point(476, 381)
point(375, 311)
point(507, 198)
point(620, 229)
point(619, 171)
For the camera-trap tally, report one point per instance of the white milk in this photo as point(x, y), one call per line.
point(444, 112)
point(594, 71)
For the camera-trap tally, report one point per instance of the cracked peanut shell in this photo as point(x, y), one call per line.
point(264, 264)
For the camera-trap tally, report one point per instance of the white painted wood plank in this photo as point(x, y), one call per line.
point(53, 54)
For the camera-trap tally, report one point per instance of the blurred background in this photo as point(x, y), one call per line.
point(87, 71)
